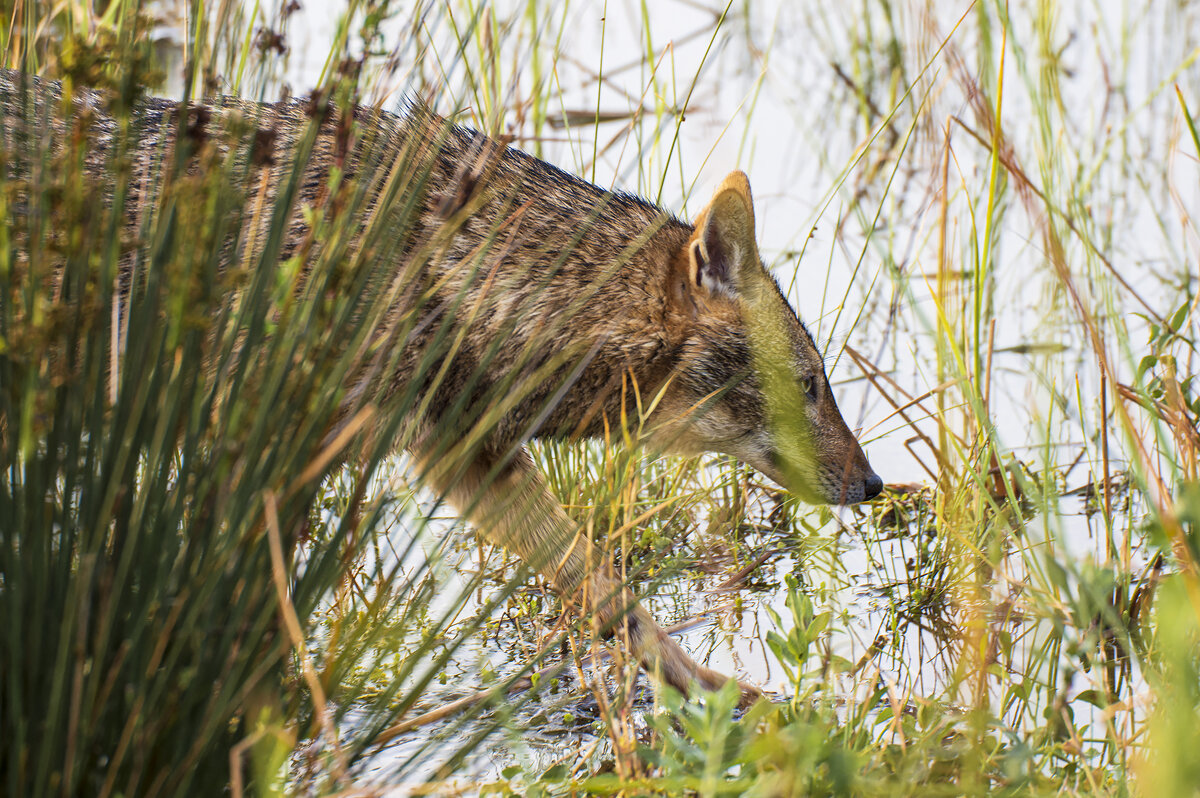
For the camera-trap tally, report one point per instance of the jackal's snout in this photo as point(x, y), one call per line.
point(863, 491)
point(844, 476)
point(858, 484)
point(827, 467)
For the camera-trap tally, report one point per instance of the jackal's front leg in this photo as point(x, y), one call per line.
point(510, 504)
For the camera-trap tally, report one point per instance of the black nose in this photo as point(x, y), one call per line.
point(872, 487)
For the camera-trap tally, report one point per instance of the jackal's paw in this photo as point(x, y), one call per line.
point(713, 680)
point(750, 695)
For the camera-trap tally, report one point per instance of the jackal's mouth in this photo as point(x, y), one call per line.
point(821, 484)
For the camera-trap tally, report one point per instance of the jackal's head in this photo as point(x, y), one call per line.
point(750, 382)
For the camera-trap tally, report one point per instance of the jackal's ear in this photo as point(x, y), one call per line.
point(723, 243)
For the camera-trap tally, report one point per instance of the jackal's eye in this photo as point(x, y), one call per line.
point(808, 384)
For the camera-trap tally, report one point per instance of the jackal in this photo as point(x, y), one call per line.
point(526, 303)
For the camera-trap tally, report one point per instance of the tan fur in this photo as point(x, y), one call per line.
point(525, 303)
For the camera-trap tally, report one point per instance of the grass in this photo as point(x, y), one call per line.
point(998, 206)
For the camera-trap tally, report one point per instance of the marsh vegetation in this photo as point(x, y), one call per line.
point(985, 212)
